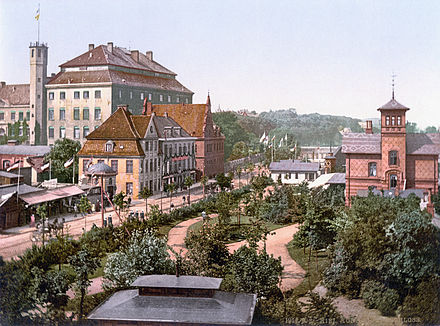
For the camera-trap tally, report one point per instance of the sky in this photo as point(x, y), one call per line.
point(330, 57)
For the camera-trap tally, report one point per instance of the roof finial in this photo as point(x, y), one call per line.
point(392, 84)
point(208, 100)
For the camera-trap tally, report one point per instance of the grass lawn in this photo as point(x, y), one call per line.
point(313, 275)
point(236, 233)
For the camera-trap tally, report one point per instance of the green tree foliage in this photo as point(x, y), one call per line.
point(239, 150)
point(223, 181)
point(189, 181)
point(207, 251)
point(145, 254)
point(224, 205)
point(145, 193)
point(14, 131)
point(62, 151)
point(84, 205)
point(204, 182)
point(83, 264)
point(120, 201)
point(253, 271)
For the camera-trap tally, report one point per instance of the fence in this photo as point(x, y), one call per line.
point(232, 165)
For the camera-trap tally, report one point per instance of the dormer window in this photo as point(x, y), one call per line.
point(109, 146)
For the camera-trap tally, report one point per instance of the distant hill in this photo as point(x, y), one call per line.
point(308, 129)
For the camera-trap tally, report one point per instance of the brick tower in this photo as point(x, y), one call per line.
point(393, 145)
point(38, 53)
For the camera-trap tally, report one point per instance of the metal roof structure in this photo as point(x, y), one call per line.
point(293, 166)
point(25, 150)
point(51, 194)
point(172, 281)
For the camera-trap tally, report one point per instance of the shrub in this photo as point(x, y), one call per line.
point(423, 306)
point(377, 296)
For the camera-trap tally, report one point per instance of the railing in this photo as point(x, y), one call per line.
point(232, 165)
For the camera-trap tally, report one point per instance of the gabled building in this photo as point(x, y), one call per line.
point(294, 171)
point(196, 119)
point(392, 161)
point(145, 150)
point(89, 88)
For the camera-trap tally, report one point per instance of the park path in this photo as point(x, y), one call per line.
point(276, 244)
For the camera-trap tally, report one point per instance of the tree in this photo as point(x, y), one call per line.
point(42, 214)
point(223, 181)
point(239, 150)
point(84, 205)
point(189, 181)
point(430, 129)
point(145, 254)
point(62, 151)
point(171, 188)
point(253, 271)
point(224, 204)
point(120, 201)
point(204, 181)
point(145, 193)
point(83, 264)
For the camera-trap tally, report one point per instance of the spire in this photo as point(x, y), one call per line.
point(208, 100)
point(392, 84)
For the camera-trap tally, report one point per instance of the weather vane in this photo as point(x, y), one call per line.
point(392, 83)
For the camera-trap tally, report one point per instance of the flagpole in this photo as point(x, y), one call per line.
point(38, 41)
point(18, 183)
point(50, 169)
point(73, 176)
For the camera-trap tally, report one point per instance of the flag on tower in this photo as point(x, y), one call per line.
point(37, 16)
point(263, 137)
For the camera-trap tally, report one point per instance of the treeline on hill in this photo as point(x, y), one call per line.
point(307, 129)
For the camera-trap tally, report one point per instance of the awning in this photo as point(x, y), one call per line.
point(51, 195)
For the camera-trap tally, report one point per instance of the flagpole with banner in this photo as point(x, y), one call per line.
point(37, 17)
point(18, 182)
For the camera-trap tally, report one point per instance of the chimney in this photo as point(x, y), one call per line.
point(135, 55)
point(12, 142)
point(91, 47)
point(149, 55)
point(123, 106)
point(110, 47)
point(369, 127)
point(147, 107)
point(166, 114)
point(52, 74)
point(3, 84)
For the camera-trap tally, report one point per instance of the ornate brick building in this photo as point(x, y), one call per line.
point(196, 119)
point(393, 160)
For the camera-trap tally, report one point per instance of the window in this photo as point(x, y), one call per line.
point(120, 93)
point(20, 131)
point(372, 169)
point(161, 97)
point(109, 146)
point(393, 120)
point(62, 132)
point(150, 97)
point(85, 113)
point(51, 132)
point(131, 95)
point(142, 96)
point(20, 116)
point(287, 176)
point(51, 97)
point(114, 164)
point(86, 131)
point(6, 164)
point(296, 175)
point(399, 120)
point(28, 115)
point(2, 116)
point(129, 188)
point(76, 95)
point(62, 95)
point(186, 100)
point(387, 120)
point(129, 166)
point(392, 158)
point(76, 133)
point(13, 115)
point(86, 94)
point(393, 181)
point(169, 98)
point(85, 165)
point(62, 114)
point(177, 99)
point(33, 52)
point(39, 52)
point(97, 113)
point(51, 115)
point(97, 94)
point(75, 113)
point(39, 79)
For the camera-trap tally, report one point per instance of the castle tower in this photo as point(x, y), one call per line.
point(38, 53)
point(393, 145)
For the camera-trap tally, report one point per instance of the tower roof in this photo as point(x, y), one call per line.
point(393, 105)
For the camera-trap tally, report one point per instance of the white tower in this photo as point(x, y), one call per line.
point(38, 53)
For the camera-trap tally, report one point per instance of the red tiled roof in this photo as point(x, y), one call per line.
point(190, 117)
point(14, 95)
point(118, 57)
point(118, 77)
point(96, 147)
point(118, 126)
